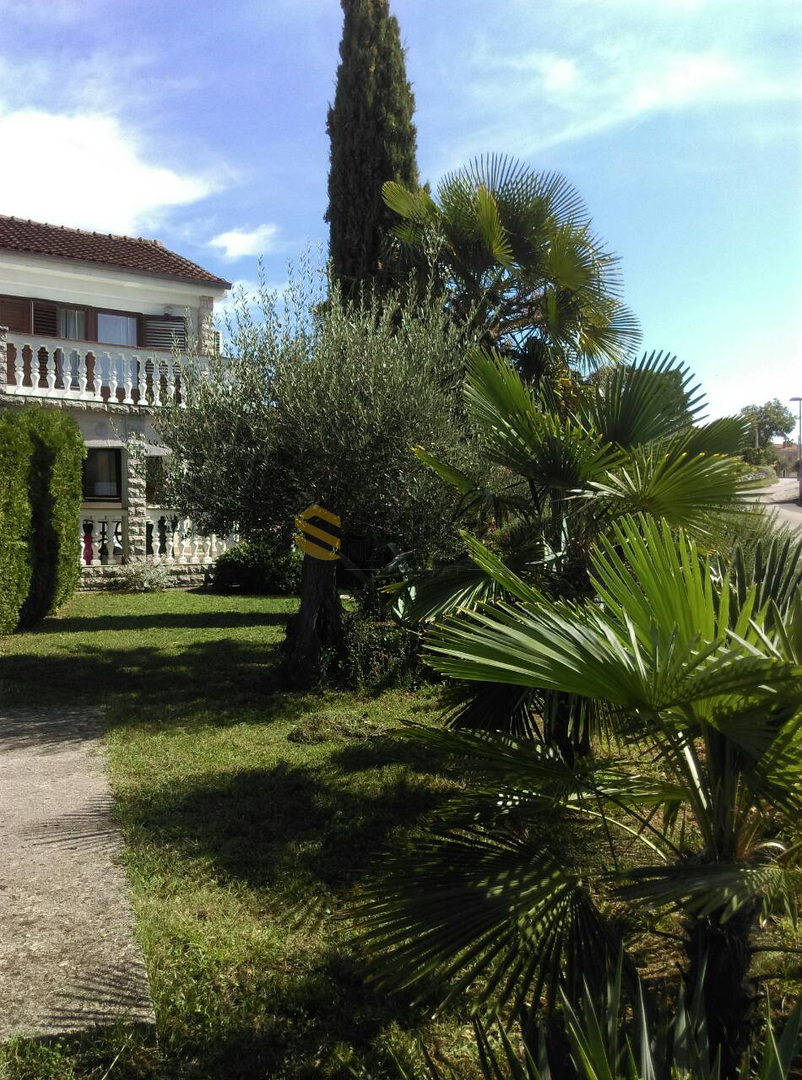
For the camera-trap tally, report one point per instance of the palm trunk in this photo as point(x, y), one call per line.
point(317, 626)
point(719, 953)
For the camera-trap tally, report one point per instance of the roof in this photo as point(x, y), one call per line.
point(122, 252)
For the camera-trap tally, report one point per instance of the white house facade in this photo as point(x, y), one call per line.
point(97, 325)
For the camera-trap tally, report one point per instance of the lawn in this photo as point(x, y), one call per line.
point(250, 817)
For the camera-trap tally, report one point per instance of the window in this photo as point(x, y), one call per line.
point(164, 331)
point(72, 323)
point(15, 313)
point(45, 319)
point(117, 329)
point(102, 474)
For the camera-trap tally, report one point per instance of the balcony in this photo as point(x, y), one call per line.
point(87, 371)
point(170, 540)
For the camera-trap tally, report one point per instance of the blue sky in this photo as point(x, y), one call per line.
point(203, 124)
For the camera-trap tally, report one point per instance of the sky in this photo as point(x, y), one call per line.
point(202, 123)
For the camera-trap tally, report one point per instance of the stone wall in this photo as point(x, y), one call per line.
point(98, 578)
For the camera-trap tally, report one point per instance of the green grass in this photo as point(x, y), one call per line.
point(250, 817)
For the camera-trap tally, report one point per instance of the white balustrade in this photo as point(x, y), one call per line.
point(102, 537)
point(47, 368)
point(173, 540)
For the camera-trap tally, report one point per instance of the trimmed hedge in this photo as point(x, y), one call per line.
point(41, 461)
point(56, 492)
point(16, 449)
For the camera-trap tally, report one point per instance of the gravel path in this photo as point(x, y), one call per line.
point(68, 956)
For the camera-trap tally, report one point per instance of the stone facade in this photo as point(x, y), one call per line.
point(206, 332)
point(135, 456)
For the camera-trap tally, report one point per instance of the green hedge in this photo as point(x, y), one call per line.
point(16, 449)
point(41, 461)
point(56, 492)
point(271, 567)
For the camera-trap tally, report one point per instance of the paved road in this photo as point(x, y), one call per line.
point(782, 497)
point(68, 955)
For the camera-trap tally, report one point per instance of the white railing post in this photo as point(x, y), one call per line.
point(50, 371)
point(127, 378)
point(4, 358)
point(113, 376)
point(141, 381)
point(82, 376)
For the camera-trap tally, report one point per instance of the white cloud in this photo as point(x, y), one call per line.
point(565, 70)
point(239, 242)
point(603, 85)
point(87, 170)
point(559, 73)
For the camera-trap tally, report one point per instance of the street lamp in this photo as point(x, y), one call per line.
point(799, 449)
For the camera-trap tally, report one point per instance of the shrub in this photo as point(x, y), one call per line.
point(55, 492)
point(15, 521)
point(765, 473)
point(140, 577)
point(377, 654)
point(260, 566)
point(760, 455)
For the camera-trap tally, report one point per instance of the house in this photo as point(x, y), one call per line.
point(96, 324)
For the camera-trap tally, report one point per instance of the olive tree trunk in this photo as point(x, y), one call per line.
point(316, 627)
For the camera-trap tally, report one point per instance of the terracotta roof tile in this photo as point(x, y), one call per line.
point(124, 252)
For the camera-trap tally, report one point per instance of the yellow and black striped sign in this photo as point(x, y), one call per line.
point(315, 550)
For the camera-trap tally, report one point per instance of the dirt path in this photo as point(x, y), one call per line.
point(784, 498)
point(68, 955)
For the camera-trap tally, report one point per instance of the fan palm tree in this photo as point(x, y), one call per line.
point(527, 885)
point(568, 468)
point(604, 1043)
point(515, 250)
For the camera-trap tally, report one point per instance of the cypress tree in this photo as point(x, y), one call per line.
point(372, 138)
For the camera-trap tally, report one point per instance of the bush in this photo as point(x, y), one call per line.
point(55, 491)
point(263, 566)
point(15, 521)
point(377, 654)
point(140, 577)
point(760, 455)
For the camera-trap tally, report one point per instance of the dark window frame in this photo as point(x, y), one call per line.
point(117, 451)
point(91, 321)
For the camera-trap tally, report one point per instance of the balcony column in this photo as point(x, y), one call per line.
point(137, 501)
point(205, 334)
point(3, 357)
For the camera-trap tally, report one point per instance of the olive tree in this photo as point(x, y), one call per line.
point(319, 402)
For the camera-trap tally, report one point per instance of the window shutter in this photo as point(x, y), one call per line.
point(161, 330)
point(15, 313)
point(45, 320)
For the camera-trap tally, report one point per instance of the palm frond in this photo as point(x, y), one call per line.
point(704, 889)
point(637, 404)
point(492, 912)
point(685, 489)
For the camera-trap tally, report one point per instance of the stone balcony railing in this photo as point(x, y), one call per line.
point(169, 539)
point(86, 371)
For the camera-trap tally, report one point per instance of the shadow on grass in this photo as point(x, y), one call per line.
point(50, 700)
point(385, 750)
point(295, 1026)
point(202, 620)
point(287, 827)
